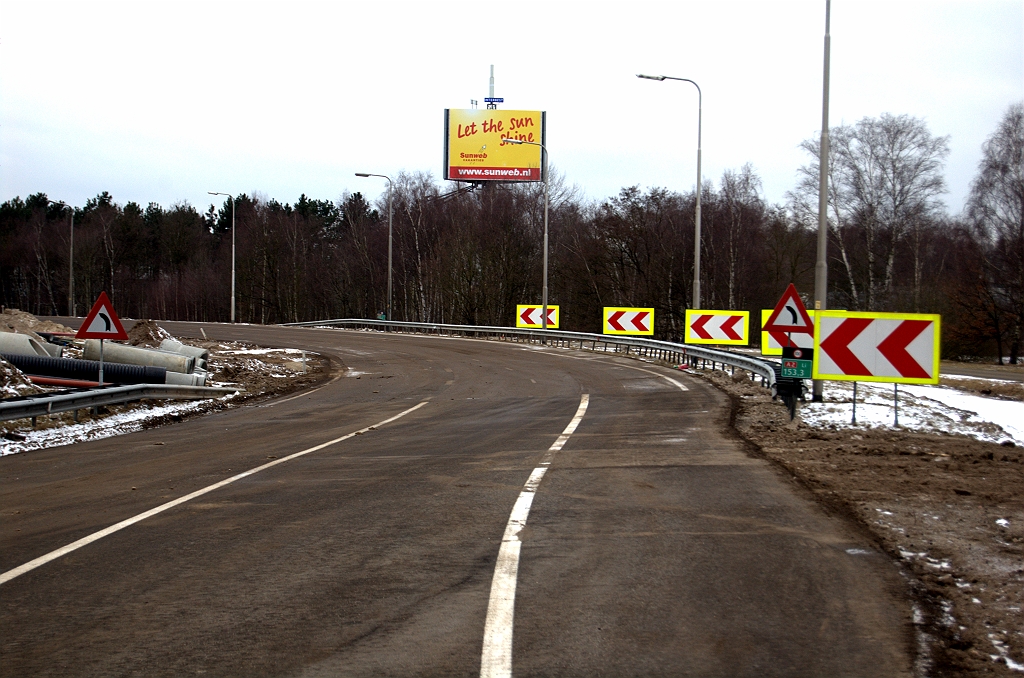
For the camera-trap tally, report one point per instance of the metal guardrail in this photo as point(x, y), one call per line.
point(51, 403)
point(663, 350)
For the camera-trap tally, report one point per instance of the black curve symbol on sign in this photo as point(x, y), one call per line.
point(792, 312)
point(106, 320)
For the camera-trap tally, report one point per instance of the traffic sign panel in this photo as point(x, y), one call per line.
point(102, 322)
point(901, 348)
point(772, 342)
point(717, 327)
point(619, 320)
point(528, 315)
point(789, 315)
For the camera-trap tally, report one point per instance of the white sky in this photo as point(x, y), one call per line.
point(163, 102)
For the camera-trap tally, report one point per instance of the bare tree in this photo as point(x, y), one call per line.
point(996, 207)
point(885, 183)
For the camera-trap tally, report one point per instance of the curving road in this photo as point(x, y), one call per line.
point(652, 542)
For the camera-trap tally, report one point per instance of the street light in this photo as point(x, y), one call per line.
point(387, 315)
point(71, 259)
point(696, 244)
point(232, 251)
point(544, 175)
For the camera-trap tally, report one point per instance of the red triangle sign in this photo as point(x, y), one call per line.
point(789, 315)
point(102, 322)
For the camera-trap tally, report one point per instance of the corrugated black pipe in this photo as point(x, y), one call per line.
point(87, 370)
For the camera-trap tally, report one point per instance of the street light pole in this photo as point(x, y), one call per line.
point(696, 237)
point(390, 239)
point(71, 259)
point(230, 197)
point(821, 265)
point(544, 174)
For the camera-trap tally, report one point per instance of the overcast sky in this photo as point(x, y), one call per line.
point(163, 102)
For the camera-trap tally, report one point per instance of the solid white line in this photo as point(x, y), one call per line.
point(496, 660)
point(73, 546)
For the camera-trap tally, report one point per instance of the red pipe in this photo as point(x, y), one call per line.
point(56, 381)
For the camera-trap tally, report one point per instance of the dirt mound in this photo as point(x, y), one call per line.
point(14, 383)
point(13, 320)
point(147, 333)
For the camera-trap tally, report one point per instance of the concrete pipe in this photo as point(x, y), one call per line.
point(134, 355)
point(22, 344)
point(175, 346)
point(178, 379)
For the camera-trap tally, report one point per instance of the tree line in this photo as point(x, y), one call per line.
point(469, 254)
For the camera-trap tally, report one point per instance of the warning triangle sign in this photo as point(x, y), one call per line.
point(789, 315)
point(102, 322)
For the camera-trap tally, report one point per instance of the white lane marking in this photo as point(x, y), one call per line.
point(73, 546)
point(307, 393)
point(496, 660)
point(678, 384)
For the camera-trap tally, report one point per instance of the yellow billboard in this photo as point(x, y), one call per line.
point(474, 150)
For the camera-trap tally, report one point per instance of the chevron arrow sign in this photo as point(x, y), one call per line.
point(628, 320)
point(531, 315)
point(717, 327)
point(890, 347)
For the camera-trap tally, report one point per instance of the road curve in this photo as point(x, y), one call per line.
point(655, 544)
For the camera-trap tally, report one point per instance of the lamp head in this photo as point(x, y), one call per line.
point(651, 77)
point(517, 142)
point(362, 174)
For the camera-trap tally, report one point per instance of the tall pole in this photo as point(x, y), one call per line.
point(390, 241)
point(71, 266)
point(387, 315)
point(233, 304)
point(696, 226)
point(544, 297)
point(232, 199)
point(544, 176)
point(821, 265)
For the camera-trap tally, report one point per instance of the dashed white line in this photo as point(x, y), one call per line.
point(84, 541)
point(496, 660)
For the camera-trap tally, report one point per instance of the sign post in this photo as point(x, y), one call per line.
point(102, 323)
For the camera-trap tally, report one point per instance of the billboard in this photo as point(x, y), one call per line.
point(474, 151)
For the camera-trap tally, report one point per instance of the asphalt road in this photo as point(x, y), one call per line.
point(656, 545)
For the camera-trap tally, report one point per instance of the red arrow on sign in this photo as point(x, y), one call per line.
point(613, 320)
point(551, 321)
point(525, 316)
point(728, 325)
point(698, 327)
point(894, 348)
point(837, 345)
point(638, 321)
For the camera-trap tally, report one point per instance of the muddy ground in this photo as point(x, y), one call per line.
point(948, 509)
